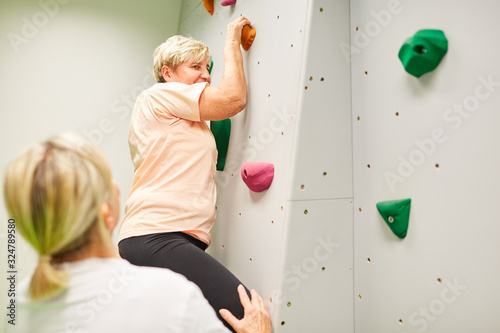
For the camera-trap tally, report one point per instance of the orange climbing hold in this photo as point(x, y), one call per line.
point(209, 6)
point(247, 37)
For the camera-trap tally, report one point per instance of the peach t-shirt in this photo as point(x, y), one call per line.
point(174, 156)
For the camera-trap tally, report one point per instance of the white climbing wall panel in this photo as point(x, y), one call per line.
point(293, 242)
point(317, 275)
point(435, 140)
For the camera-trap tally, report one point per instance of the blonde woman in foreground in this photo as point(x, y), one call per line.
point(63, 200)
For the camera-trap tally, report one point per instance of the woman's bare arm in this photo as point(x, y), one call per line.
point(230, 97)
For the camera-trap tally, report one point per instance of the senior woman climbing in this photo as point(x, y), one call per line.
point(170, 209)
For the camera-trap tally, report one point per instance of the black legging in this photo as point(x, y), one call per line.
point(186, 255)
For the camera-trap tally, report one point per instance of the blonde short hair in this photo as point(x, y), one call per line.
point(54, 191)
point(176, 50)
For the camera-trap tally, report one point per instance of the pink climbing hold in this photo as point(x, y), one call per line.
point(257, 175)
point(227, 2)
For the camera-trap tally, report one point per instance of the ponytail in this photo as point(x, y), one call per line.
point(55, 191)
point(47, 279)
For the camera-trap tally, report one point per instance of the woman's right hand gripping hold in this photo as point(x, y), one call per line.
point(230, 97)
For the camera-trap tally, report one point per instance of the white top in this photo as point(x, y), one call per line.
point(111, 295)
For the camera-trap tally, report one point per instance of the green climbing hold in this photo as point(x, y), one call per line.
point(423, 52)
point(396, 214)
point(211, 65)
point(221, 130)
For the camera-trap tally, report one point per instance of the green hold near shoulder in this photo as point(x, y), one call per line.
point(222, 131)
point(423, 52)
point(396, 213)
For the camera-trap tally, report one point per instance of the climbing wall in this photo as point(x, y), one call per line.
point(432, 139)
point(293, 243)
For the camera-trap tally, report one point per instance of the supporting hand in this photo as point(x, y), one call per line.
point(256, 319)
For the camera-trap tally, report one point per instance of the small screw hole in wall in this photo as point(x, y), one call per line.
point(439, 280)
point(437, 165)
point(323, 268)
point(322, 79)
point(401, 321)
point(366, 73)
point(281, 207)
point(359, 118)
point(282, 133)
point(397, 114)
point(278, 17)
point(291, 45)
point(269, 95)
point(272, 222)
point(359, 296)
point(368, 166)
point(357, 28)
point(324, 174)
point(222, 247)
point(232, 175)
point(302, 187)
point(289, 304)
point(306, 211)
point(368, 260)
point(239, 214)
point(306, 87)
point(360, 210)
point(258, 62)
point(270, 299)
point(251, 260)
point(321, 9)
point(310, 78)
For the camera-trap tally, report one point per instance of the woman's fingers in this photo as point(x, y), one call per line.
point(256, 299)
point(256, 317)
point(235, 27)
point(244, 299)
point(228, 316)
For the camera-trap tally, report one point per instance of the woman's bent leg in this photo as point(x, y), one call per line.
point(185, 255)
